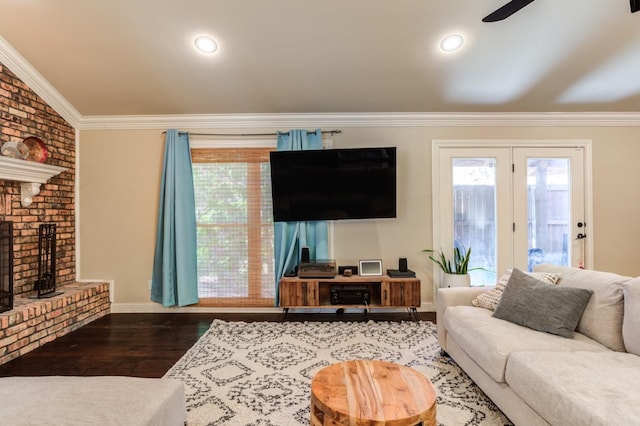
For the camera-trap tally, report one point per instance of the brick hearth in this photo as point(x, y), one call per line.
point(34, 322)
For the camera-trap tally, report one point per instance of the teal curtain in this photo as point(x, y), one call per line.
point(175, 269)
point(291, 237)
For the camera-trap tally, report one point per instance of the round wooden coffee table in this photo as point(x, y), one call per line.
point(362, 392)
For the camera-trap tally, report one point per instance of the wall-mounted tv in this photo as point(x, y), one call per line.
point(333, 184)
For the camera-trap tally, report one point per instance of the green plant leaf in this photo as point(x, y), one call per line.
point(461, 258)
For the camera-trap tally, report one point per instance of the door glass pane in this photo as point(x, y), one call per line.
point(549, 210)
point(474, 215)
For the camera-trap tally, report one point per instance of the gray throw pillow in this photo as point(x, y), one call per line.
point(534, 304)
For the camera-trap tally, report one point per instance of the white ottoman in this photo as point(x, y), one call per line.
point(104, 400)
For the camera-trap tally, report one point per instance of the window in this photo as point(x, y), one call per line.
point(234, 226)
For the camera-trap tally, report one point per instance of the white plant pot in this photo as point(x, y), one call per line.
point(456, 280)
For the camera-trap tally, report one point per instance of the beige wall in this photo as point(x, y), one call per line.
point(119, 179)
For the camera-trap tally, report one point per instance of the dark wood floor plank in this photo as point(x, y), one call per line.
point(146, 345)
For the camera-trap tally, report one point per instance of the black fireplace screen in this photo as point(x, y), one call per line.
point(6, 266)
point(46, 283)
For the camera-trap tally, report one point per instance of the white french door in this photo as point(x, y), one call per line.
point(474, 207)
point(549, 206)
point(514, 205)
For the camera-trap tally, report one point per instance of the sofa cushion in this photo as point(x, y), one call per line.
point(602, 318)
point(489, 299)
point(532, 303)
point(631, 322)
point(578, 388)
point(490, 341)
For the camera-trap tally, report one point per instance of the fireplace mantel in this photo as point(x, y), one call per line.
point(30, 175)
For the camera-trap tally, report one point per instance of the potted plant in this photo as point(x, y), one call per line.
point(456, 270)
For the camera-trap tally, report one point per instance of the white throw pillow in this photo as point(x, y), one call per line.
point(602, 319)
point(489, 299)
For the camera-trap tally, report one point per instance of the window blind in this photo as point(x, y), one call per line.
point(234, 225)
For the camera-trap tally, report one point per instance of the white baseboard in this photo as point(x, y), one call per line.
point(427, 307)
point(132, 308)
point(151, 307)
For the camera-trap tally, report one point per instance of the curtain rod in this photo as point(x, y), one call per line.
point(324, 132)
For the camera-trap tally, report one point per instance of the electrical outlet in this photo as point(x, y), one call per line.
point(149, 283)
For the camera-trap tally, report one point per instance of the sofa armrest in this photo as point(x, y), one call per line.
point(453, 296)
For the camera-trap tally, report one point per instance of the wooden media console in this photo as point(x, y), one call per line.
point(383, 292)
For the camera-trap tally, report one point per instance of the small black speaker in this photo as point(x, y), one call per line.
point(402, 264)
point(304, 256)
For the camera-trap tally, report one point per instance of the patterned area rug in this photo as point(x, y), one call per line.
point(260, 373)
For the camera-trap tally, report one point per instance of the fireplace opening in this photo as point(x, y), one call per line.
point(6, 266)
point(45, 285)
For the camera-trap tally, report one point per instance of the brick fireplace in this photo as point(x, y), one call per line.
point(25, 114)
point(32, 323)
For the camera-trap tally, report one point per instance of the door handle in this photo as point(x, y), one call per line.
point(580, 235)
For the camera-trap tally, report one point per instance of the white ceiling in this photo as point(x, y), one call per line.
point(136, 57)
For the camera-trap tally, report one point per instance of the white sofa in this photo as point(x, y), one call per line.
point(537, 378)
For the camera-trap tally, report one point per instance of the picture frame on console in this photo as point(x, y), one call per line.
point(370, 267)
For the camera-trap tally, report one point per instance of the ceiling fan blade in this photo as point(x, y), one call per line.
point(511, 8)
point(635, 5)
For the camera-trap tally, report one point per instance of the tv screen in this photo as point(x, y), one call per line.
point(333, 184)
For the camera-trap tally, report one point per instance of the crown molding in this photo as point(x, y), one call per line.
point(235, 121)
point(18, 65)
point(30, 76)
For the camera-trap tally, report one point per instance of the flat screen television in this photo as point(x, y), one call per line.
point(333, 184)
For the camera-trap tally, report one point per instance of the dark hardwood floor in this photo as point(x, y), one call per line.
point(146, 345)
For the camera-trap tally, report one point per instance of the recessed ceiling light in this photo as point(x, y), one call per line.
point(451, 42)
point(206, 44)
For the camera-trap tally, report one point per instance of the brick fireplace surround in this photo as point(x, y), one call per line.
point(34, 322)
